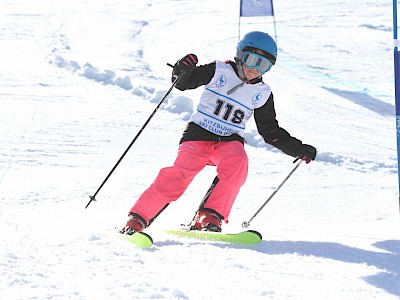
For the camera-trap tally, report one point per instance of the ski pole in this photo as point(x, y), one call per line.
point(93, 198)
point(246, 224)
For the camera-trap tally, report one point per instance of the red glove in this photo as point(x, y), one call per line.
point(188, 63)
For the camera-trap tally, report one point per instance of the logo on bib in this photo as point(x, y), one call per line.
point(221, 81)
point(256, 98)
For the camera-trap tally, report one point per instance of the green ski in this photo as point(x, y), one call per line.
point(249, 237)
point(140, 239)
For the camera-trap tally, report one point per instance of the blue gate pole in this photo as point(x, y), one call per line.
point(396, 45)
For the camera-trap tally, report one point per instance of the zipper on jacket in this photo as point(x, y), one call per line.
point(235, 88)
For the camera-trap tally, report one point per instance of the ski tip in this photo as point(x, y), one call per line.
point(147, 235)
point(139, 239)
point(256, 232)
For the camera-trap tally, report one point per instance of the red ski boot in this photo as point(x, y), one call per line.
point(207, 220)
point(135, 224)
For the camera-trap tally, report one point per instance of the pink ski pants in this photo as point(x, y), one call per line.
point(232, 167)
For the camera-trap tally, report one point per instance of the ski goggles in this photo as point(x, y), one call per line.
point(255, 60)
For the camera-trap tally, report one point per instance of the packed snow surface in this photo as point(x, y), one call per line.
point(78, 80)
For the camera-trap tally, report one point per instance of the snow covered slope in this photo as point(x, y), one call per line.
point(78, 79)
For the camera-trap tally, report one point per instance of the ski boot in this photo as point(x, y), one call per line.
point(134, 224)
point(207, 220)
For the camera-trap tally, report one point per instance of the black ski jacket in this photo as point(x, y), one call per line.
point(265, 116)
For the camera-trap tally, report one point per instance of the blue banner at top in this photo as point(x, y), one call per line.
point(254, 8)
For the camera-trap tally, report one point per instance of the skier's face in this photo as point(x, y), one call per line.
point(254, 65)
point(250, 73)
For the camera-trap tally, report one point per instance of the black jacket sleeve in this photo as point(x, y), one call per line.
point(274, 135)
point(201, 75)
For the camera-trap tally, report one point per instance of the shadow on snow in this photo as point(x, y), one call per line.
point(371, 103)
point(388, 262)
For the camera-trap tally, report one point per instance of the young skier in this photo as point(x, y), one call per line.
point(234, 90)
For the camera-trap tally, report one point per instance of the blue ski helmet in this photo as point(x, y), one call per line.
point(259, 40)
